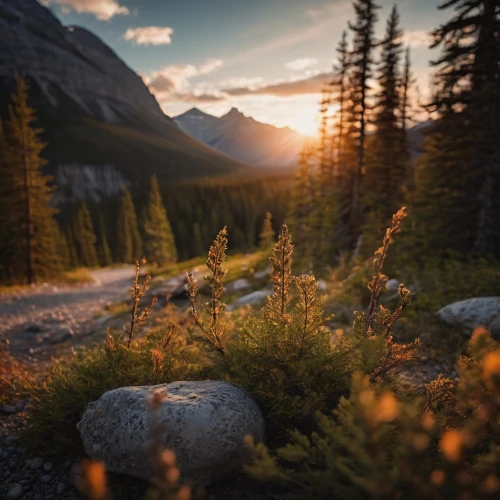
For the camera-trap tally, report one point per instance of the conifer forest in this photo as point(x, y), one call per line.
point(296, 298)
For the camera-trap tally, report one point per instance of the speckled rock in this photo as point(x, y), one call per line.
point(204, 423)
point(471, 313)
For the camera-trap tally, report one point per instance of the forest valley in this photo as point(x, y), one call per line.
point(347, 413)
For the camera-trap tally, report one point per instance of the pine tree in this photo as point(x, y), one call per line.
point(63, 250)
point(103, 251)
point(198, 245)
point(128, 239)
point(302, 202)
point(159, 243)
point(266, 236)
point(26, 195)
point(73, 254)
point(386, 163)
point(460, 169)
point(361, 69)
point(84, 236)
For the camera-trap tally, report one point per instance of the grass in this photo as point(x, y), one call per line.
point(78, 276)
point(238, 266)
point(15, 380)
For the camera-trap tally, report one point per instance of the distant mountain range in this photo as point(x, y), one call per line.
point(243, 138)
point(103, 126)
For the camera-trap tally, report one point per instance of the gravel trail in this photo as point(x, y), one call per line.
point(35, 320)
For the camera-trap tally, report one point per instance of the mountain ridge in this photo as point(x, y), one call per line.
point(97, 113)
point(242, 137)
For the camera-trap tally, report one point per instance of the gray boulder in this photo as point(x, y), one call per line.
point(251, 299)
point(238, 285)
point(471, 313)
point(392, 285)
point(203, 423)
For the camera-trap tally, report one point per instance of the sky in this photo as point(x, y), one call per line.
point(268, 58)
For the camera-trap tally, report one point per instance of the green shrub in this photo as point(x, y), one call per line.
point(284, 354)
point(161, 356)
point(380, 444)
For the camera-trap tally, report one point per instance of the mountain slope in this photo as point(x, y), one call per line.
point(102, 125)
point(243, 138)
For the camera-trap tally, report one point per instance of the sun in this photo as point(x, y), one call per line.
point(305, 121)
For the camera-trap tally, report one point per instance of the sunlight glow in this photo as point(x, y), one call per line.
point(305, 120)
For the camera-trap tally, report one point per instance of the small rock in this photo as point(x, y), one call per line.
point(11, 439)
point(238, 285)
point(32, 328)
point(46, 478)
point(15, 491)
point(250, 299)
point(470, 313)
point(61, 335)
point(60, 488)
point(7, 410)
point(262, 274)
point(203, 423)
point(392, 285)
point(322, 285)
point(47, 466)
point(36, 463)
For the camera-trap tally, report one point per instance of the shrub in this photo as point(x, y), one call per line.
point(284, 354)
point(380, 444)
point(58, 404)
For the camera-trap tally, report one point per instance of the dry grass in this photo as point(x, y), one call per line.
point(14, 377)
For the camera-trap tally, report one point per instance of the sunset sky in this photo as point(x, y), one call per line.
point(268, 58)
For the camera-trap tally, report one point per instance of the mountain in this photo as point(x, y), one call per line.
point(243, 138)
point(103, 127)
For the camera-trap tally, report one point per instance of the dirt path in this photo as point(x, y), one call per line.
point(35, 320)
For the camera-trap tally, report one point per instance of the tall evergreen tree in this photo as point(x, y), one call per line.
point(361, 72)
point(63, 250)
point(73, 254)
point(301, 204)
point(387, 160)
point(159, 243)
point(85, 238)
point(103, 250)
point(26, 195)
point(460, 169)
point(128, 238)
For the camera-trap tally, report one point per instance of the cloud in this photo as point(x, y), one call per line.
point(417, 38)
point(209, 65)
point(311, 85)
point(301, 64)
point(104, 10)
point(170, 79)
point(149, 35)
point(172, 82)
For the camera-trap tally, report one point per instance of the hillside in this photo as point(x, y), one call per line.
point(102, 125)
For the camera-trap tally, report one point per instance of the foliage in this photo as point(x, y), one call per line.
point(384, 444)
point(103, 250)
point(84, 237)
point(128, 239)
point(267, 234)
point(58, 403)
point(387, 158)
point(29, 232)
point(159, 243)
point(214, 332)
point(15, 379)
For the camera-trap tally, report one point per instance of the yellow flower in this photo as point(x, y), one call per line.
point(451, 445)
point(387, 408)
